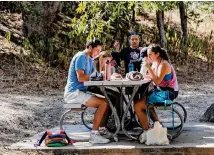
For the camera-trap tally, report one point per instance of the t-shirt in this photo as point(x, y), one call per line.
point(116, 57)
point(79, 62)
point(131, 55)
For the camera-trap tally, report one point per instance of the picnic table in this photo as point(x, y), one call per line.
point(121, 84)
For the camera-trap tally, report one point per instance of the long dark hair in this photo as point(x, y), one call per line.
point(157, 49)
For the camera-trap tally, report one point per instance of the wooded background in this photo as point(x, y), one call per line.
point(53, 32)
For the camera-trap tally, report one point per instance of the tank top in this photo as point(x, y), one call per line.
point(172, 83)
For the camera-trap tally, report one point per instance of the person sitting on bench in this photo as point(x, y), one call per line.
point(81, 67)
point(163, 76)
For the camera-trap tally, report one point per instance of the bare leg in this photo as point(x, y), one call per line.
point(140, 109)
point(101, 106)
point(153, 114)
point(105, 118)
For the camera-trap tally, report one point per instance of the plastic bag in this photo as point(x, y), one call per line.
point(157, 135)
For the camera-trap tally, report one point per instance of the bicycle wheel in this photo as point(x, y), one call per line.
point(179, 107)
point(172, 120)
point(87, 117)
point(68, 119)
point(111, 124)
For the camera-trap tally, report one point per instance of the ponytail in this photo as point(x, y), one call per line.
point(157, 49)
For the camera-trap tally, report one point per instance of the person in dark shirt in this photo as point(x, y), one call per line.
point(132, 54)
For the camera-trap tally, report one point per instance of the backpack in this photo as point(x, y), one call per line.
point(54, 139)
point(159, 96)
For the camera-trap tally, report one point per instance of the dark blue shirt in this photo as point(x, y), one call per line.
point(131, 55)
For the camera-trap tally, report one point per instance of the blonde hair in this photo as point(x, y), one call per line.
point(104, 54)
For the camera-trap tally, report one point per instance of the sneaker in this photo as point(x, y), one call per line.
point(142, 137)
point(96, 138)
point(105, 133)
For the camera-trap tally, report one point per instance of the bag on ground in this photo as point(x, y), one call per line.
point(54, 139)
point(157, 135)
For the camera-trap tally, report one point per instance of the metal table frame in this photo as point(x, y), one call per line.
point(119, 83)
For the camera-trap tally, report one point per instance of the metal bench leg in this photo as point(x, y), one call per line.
point(62, 118)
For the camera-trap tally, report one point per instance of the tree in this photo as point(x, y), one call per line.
point(160, 25)
point(38, 18)
point(183, 18)
point(160, 8)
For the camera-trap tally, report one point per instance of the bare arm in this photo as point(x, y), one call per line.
point(163, 70)
point(81, 76)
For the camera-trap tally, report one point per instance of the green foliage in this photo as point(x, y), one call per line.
point(8, 35)
point(160, 5)
point(205, 6)
point(12, 6)
point(195, 44)
point(173, 39)
point(26, 44)
point(104, 20)
point(69, 7)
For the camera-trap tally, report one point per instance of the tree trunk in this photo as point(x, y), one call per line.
point(160, 25)
point(208, 115)
point(37, 24)
point(133, 14)
point(183, 17)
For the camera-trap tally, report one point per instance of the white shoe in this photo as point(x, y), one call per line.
point(142, 137)
point(105, 133)
point(96, 138)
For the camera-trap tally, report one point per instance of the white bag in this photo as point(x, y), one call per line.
point(157, 135)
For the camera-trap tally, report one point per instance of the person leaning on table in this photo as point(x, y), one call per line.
point(81, 67)
point(163, 75)
point(113, 93)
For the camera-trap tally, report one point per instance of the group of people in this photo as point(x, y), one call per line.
point(160, 71)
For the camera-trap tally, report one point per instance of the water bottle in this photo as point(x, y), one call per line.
point(143, 69)
point(112, 70)
point(131, 67)
point(107, 70)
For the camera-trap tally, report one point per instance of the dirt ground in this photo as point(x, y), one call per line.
point(26, 110)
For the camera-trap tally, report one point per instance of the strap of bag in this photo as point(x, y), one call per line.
point(166, 102)
point(39, 141)
point(70, 141)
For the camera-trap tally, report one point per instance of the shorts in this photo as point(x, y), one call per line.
point(78, 97)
